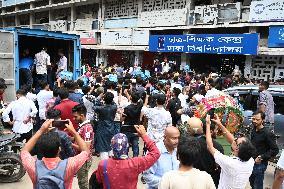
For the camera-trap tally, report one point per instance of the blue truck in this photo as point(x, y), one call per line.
point(13, 41)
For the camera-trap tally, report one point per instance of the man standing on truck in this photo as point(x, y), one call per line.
point(41, 62)
point(26, 64)
point(62, 63)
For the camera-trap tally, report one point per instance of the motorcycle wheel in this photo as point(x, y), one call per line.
point(15, 172)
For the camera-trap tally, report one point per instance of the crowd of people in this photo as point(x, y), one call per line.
point(108, 110)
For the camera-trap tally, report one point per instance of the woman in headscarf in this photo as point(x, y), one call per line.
point(121, 171)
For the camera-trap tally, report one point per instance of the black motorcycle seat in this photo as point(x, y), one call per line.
point(7, 137)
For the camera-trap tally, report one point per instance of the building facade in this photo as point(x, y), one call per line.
point(120, 31)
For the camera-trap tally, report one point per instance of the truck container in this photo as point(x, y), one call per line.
point(13, 41)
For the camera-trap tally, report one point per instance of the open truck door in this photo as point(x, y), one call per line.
point(7, 63)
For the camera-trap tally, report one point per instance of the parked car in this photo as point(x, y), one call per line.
point(248, 95)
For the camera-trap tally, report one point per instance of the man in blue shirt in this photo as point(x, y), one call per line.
point(167, 161)
point(25, 66)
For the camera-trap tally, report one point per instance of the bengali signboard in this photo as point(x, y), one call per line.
point(265, 10)
point(206, 43)
point(125, 37)
point(276, 37)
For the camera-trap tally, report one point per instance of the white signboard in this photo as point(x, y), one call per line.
point(59, 25)
point(126, 37)
point(265, 10)
point(174, 17)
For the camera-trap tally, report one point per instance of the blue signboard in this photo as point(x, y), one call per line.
point(276, 37)
point(206, 43)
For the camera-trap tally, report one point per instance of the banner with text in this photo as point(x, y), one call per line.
point(206, 43)
point(265, 10)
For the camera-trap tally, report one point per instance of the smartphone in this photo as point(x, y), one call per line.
point(128, 129)
point(211, 113)
point(60, 123)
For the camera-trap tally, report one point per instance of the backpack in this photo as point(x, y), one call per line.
point(47, 179)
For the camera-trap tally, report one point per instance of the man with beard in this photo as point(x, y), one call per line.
point(266, 147)
point(206, 162)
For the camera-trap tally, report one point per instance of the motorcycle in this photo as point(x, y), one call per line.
point(11, 167)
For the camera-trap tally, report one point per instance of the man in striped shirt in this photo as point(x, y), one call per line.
point(49, 143)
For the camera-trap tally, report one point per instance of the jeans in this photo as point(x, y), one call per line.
point(134, 141)
point(82, 175)
point(257, 176)
point(26, 77)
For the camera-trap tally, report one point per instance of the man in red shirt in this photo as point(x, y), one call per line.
point(85, 130)
point(66, 106)
point(49, 145)
point(122, 172)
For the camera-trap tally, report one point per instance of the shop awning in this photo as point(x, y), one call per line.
point(120, 48)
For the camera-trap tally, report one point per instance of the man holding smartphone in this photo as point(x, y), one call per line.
point(42, 172)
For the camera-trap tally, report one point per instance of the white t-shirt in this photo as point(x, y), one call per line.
point(183, 99)
point(62, 64)
point(158, 120)
point(193, 179)
point(176, 85)
point(42, 97)
point(234, 172)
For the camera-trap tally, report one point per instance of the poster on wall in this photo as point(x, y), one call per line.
point(276, 37)
point(242, 44)
point(265, 10)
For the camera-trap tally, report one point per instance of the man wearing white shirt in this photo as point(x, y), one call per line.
point(235, 170)
point(41, 62)
point(62, 64)
point(158, 118)
point(165, 66)
point(184, 96)
point(23, 110)
point(42, 98)
point(212, 90)
point(175, 84)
